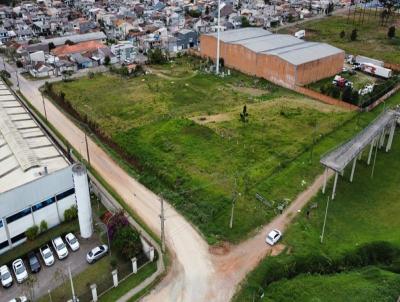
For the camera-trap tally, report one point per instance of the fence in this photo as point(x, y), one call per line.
point(106, 282)
point(324, 98)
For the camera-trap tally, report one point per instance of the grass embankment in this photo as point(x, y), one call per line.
point(187, 141)
point(362, 212)
point(372, 38)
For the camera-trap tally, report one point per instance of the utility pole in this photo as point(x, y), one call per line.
point(218, 23)
point(16, 73)
point(326, 214)
point(44, 106)
point(162, 218)
point(74, 298)
point(236, 194)
point(87, 149)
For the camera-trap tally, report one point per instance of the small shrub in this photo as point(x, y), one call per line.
point(353, 35)
point(32, 232)
point(71, 214)
point(43, 226)
point(342, 34)
point(391, 32)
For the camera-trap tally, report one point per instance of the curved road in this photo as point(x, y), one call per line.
point(198, 273)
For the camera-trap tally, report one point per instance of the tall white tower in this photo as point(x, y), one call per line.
point(83, 200)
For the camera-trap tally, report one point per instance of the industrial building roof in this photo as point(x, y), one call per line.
point(97, 35)
point(287, 47)
point(26, 153)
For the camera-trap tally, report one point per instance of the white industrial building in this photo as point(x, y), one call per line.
point(36, 180)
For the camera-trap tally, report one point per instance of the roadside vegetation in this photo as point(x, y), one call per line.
point(361, 243)
point(181, 131)
point(371, 38)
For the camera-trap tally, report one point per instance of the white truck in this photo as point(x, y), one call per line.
point(376, 70)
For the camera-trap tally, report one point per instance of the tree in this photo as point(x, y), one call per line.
point(335, 92)
point(355, 98)
point(66, 74)
point(107, 60)
point(391, 32)
point(290, 18)
point(19, 64)
point(156, 56)
point(51, 46)
point(342, 34)
point(117, 222)
point(32, 232)
point(245, 22)
point(69, 42)
point(353, 35)
point(127, 241)
point(244, 115)
point(43, 226)
point(194, 13)
point(389, 7)
point(347, 94)
point(207, 10)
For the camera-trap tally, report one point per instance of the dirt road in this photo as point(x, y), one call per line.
point(196, 273)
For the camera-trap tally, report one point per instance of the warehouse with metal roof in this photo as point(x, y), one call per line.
point(36, 179)
point(282, 59)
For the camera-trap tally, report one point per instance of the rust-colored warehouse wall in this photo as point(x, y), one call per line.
point(319, 69)
point(271, 67)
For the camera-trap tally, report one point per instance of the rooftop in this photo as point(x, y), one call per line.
point(289, 48)
point(25, 150)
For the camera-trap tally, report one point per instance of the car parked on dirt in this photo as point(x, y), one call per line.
point(273, 237)
point(72, 242)
point(47, 255)
point(20, 271)
point(60, 248)
point(6, 278)
point(34, 263)
point(96, 253)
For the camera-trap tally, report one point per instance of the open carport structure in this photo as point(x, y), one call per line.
point(373, 136)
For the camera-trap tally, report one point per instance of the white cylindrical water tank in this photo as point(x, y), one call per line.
point(83, 200)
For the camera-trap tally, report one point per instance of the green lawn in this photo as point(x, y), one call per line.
point(368, 284)
point(160, 124)
point(364, 211)
point(372, 38)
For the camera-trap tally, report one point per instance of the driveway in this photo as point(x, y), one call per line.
point(50, 277)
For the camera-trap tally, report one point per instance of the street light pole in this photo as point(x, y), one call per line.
point(74, 299)
point(16, 73)
point(44, 106)
point(326, 214)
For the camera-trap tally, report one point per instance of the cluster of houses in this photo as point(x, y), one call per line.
point(48, 37)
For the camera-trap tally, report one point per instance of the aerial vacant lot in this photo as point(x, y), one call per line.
point(363, 212)
point(372, 38)
point(182, 129)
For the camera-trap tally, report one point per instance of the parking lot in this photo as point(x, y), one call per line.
point(50, 277)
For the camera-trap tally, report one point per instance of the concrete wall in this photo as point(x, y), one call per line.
point(271, 67)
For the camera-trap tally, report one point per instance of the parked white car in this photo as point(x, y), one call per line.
point(96, 253)
point(60, 248)
point(72, 242)
point(273, 237)
point(20, 271)
point(6, 278)
point(47, 255)
point(19, 299)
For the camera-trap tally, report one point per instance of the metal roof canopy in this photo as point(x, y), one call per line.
point(342, 155)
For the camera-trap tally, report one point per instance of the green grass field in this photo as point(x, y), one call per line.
point(185, 132)
point(372, 38)
point(364, 211)
point(368, 284)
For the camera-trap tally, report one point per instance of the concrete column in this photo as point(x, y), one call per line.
point(134, 265)
point(360, 155)
point(93, 287)
point(115, 277)
point(325, 180)
point(370, 151)
point(391, 134)
point(334, 185)
point(151, 254)
point(382, 139)
point(352, 169)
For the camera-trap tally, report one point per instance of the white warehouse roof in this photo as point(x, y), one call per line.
point(97, 35)
point(289, 48)
point(25, 150)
